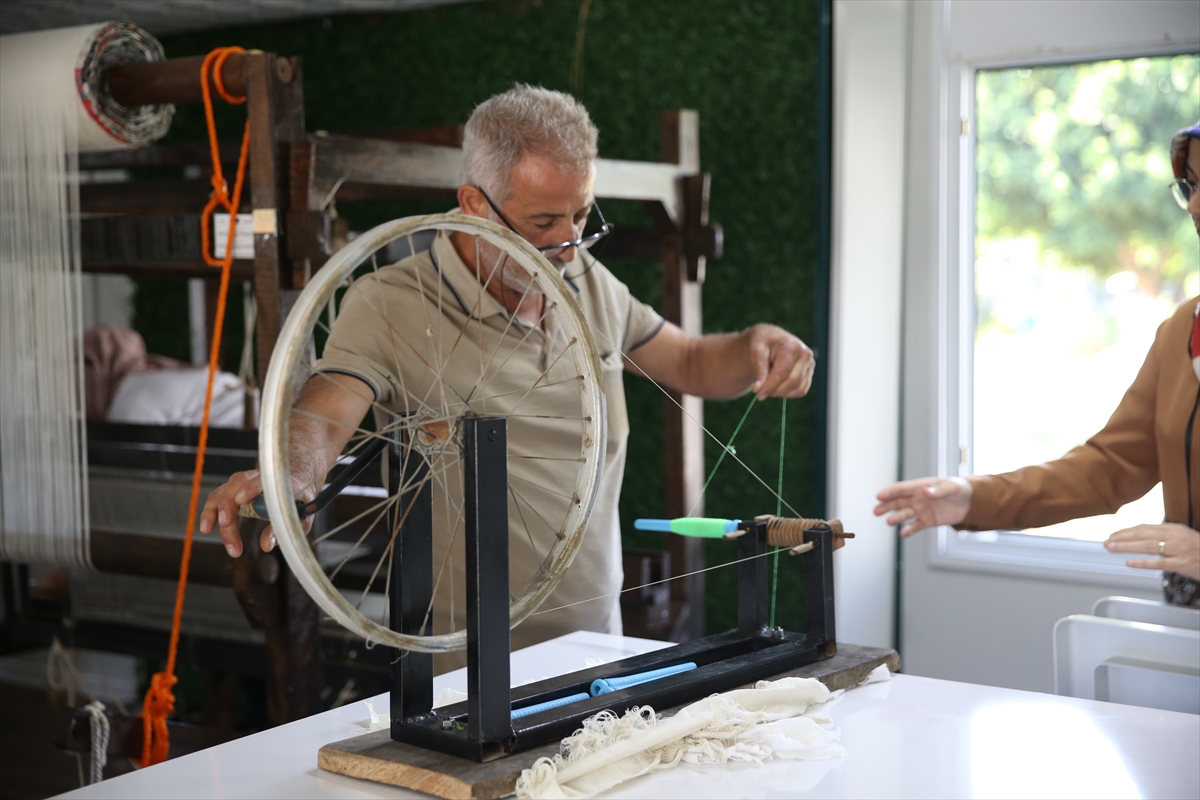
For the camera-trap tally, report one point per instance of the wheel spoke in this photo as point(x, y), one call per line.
point(528, 533)
point(534, 509)
point(387, 502)
point(545, 372)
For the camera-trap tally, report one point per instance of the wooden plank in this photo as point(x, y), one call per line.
point(362, 160)
point(639, 180)
point(159, 557)
point(175, 196)
point(354, 159)
point(241, 270)
point(163, 155)
point(375, 757)
point(444, 135)
point(374, 193)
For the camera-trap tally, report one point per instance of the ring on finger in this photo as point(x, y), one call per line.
point(1162, 548)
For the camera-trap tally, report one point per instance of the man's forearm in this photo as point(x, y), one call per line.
point(314, 448)
point(718, 366)
point(318, 430)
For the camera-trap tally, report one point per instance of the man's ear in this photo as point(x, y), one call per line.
point(472, 202)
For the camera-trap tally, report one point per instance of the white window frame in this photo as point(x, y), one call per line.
point(1010, 553)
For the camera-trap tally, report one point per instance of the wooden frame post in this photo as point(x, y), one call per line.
point(275, 101)
point(679, 143)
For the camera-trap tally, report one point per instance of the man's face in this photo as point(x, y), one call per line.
point(546, 206)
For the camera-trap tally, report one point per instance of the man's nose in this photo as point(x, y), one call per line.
point(566, 232)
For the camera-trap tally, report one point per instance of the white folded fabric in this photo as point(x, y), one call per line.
point(759, 724)
point(176, 397)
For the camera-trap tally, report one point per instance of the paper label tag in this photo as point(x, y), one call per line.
point(243, 237)
point(264, 221)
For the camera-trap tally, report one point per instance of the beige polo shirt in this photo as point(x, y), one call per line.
point(399, 327)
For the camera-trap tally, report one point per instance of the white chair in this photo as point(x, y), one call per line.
point(1152, 611)
point(1129, 662)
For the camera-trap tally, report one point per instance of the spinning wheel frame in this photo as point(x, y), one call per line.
point(278, 399)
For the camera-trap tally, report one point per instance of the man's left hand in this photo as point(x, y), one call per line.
point(1176, 547)
point(783, 365)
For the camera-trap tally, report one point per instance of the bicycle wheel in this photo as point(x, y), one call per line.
point(443, 358)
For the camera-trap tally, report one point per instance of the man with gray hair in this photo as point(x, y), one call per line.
point(529, 163)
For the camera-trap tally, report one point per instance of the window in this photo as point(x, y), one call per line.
point(1080, 253)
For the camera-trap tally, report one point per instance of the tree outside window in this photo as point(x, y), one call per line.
point(1080, 253)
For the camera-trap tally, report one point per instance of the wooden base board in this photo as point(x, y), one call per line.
point(375, 757)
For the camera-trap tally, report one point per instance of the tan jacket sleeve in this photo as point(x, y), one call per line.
point(1117, 465)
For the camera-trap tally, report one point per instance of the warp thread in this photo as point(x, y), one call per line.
point(53, 104)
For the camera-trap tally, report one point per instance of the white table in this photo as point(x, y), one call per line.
point(909, 737)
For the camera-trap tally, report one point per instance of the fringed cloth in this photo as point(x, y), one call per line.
point(776, 719)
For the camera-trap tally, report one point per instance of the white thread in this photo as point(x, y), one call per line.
point(710, 434)
point(60, 671)
point(100, 730)
point(46, 118)
point(651, 583)
point(249, 318)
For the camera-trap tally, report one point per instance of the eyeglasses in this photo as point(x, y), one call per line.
point(1182, 190)
point(583, 243)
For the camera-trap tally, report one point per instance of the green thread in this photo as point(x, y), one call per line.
point(728, 448)
point(778, 508)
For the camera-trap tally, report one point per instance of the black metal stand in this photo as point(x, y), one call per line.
point(482, 728)
point(488, 722)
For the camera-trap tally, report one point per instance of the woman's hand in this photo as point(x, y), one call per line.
point(925, 503)
point(1176, 548)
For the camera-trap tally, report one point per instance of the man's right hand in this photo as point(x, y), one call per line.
point(221, 511)
point(925, 503)
point(325, 416)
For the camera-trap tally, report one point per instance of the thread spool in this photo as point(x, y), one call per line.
point(789, 531)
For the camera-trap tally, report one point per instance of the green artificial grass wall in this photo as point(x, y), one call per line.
point(750, 68)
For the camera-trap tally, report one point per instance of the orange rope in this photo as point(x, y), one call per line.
point(160, 700)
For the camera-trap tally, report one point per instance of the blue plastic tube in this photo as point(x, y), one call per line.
point(517, 713)
point(606, 685)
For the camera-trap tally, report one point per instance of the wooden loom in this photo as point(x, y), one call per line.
point(151, 228)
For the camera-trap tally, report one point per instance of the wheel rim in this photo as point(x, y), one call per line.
point(432, 428)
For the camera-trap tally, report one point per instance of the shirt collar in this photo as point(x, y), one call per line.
point(461, 281)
